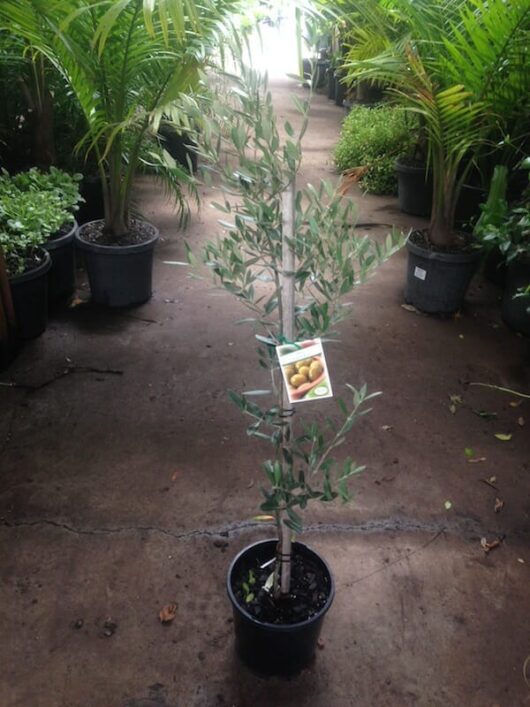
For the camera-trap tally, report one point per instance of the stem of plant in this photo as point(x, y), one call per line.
point(288, 332)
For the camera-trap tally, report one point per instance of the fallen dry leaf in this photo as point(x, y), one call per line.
point(520, 421)
point(520, 559)
point(452, 409)
point(320, 643)
point(410, 308)
point(351, 176)
point(515, 403)
point(499, 505)
point(489, 482)
point(504, 437)
point(476, 460)
point(488, 546)
point(77, 302)
point(168, 613)
point(175, 475)
point(386, 428)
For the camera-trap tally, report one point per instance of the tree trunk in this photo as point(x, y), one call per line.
point(288, 331)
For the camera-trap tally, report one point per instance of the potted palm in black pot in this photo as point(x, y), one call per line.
point(126, 64)
point(291, 256)
point(464, 71)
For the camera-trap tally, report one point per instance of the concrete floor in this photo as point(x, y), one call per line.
point(121, 492)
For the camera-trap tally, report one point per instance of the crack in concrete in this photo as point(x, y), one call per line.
point(467, 528)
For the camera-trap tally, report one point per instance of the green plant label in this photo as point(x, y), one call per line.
point(304, 370)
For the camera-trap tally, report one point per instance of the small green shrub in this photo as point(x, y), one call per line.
point(33, 207)
point(65, 186)
point(373, 137)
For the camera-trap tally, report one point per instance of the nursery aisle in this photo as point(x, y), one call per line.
point(127, 483)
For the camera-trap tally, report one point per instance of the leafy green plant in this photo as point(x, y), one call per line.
point(126, 63)
point(34, 206)
point(26, 219)
point(371, 139)
point(503, 226)
point(291, 256)
point(64, 185)
point(463, 68)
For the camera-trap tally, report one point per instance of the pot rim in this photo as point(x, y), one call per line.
point(442, 257)
point(34, 273)
point(116, 249)
point(280, 628)
point(53, 243)
point(404, 168)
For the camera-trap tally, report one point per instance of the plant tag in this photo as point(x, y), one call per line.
point(420, 273)
point(304, 370)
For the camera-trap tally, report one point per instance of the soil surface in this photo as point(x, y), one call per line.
point(139, 232)
point(310, 589)
point(128, 483)
point(461, 242)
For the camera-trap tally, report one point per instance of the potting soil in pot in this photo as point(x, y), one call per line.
point(310, 588)
point(139, 232)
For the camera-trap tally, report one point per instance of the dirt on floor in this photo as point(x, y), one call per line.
point(128, 482)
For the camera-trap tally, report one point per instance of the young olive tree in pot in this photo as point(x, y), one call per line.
point(290, 256)
point(126, 63)
point(463, 68)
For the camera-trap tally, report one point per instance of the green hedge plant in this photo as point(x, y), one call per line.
point(372, 139)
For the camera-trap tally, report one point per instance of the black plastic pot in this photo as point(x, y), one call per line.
point(367, 92)
point(468, 206)
point(320, 72)
point(92, 208)
point(271, 649)
point(62, 274)
point(495, 267)
point(414, 189)
point(30, 299)
point(515, 312)
point(437, 282)
point(120, 275)
point(340, 90)
point(331, 84)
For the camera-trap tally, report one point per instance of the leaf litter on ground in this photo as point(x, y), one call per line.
point(168, 613)
point(499, 505)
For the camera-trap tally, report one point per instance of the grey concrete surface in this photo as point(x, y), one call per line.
point(121, 492)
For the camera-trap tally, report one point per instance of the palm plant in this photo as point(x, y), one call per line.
point(463, 68)
point(126, 62)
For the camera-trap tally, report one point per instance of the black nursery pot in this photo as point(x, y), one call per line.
point(414, 189)
point(62, 273)
point(437, 282)
point(331, 84)
point(340, 90)
point(514, 311)
point(271, 649)
point(119, 275)
point(30, 299)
